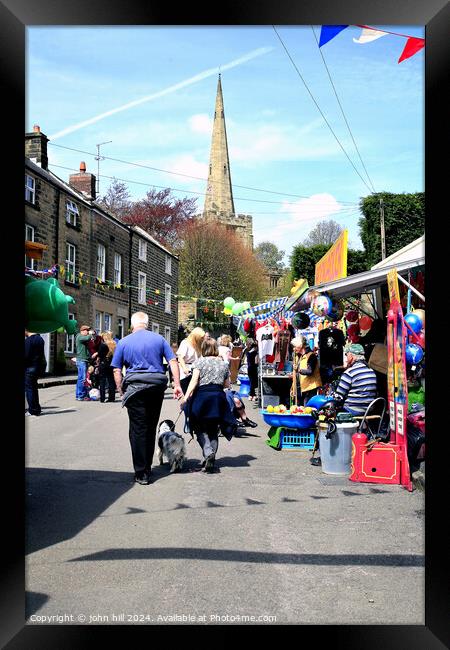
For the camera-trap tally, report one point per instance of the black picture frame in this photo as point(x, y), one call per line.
point(15, 16)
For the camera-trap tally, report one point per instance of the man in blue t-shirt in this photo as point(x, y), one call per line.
point(142, 389)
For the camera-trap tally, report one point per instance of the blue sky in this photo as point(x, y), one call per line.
point(164, 81)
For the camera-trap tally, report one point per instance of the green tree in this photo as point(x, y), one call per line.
point(305, 258)
point(270, 256)
point(214, 263)
point(404, 221)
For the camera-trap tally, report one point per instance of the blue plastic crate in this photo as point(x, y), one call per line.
point(297, 439)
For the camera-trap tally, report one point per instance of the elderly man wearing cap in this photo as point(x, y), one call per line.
point(358, 384)
point(82, 357)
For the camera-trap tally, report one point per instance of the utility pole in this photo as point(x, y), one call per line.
point(98, 158)
point(383, 238)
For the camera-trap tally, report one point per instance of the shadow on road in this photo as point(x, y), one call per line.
point(33, 602)
point(60, 503)
point(259, 557)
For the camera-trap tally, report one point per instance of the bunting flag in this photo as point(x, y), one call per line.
point(369, 34)
point(328, 32)
point(270, 305)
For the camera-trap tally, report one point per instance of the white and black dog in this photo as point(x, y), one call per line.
point(171, 445)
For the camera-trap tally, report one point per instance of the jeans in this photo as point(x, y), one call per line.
point(209, 442)
point(31, 391)
point(81, 390)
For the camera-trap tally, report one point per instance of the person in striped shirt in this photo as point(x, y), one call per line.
point(358, 384)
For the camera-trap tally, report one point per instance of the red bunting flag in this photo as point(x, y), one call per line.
point(413, 45)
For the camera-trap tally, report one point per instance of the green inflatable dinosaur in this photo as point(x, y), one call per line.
point(46, 307)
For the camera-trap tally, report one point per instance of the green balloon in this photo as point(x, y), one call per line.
point(229, 302)
point(46, 307)
point(245, 305)
point(237, 308)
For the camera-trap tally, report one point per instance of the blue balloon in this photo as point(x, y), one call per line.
point(414, 354)
point(317, 401)
point(414, 322)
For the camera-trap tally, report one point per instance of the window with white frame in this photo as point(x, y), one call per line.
point(98, 321)
point(168, 265)
point(155, 328)
point(107, 322)
point(71, 258)
point(120, 327)
point(142, 288)
point(69, 346)
point(30, 189)
point(142, 250)
point(101, 256)
point(168, 299)
point(29, 236)
point(72, 213)
point(167, 334)
point(117, 270)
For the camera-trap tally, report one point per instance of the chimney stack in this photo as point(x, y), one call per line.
point(83, 182)
point(36, 147)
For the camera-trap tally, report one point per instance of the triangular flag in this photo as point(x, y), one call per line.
point(413, 45)
point(368, 34)
point(328, 32)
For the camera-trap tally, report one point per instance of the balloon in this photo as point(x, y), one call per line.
point(245, 305)
point(321, 305)
point(351, 316)
point(365, 323)
point(228, 302)
point(227, 311)
point(336, 312)
point(353, 332)
point(413, 353)
point(237, 308)
point(46, 307)
point(422, 339)
point(300, 320)
point(414, 322)
point(421, 314)
point(247, 325)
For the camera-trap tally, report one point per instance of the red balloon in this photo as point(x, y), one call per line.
point(247, 325)
point(351, 316)
point(421, 340)
point(353, 329)
point(365, 322)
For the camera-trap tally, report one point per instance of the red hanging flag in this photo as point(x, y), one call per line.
point(413, 45)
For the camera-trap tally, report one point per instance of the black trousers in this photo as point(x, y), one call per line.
point(106, 374)
point(144, 409)
point(31, 391)
point(252, 372)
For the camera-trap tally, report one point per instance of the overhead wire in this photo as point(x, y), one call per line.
point(174, 189)
point(320, 110)
point(342, 111)
point(166, 171)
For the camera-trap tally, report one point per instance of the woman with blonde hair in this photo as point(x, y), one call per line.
point(106, 373)
point(224, 343)
point(189, 351)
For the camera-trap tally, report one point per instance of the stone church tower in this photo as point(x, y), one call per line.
point(219, 204)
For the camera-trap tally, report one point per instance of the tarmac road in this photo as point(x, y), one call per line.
point(268, 536)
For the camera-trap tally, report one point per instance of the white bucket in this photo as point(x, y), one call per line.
point(336, 452)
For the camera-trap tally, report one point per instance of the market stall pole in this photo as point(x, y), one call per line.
point(379, 462)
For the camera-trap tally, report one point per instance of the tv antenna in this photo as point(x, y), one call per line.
point(98, 157)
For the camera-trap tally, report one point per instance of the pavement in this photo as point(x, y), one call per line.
point(267, 539)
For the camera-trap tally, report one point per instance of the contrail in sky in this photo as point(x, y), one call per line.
point(198, 77)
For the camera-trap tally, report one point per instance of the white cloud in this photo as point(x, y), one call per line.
point(201, 123)
point(187, 164)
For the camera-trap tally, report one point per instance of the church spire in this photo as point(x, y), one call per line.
point(219, 195)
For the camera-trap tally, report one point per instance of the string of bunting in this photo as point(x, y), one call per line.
point(369, 34)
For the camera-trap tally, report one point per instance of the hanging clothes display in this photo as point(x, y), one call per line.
point(265, 339)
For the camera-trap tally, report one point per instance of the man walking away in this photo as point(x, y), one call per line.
point(82, 356)
point(142, 389)
point(35, 364)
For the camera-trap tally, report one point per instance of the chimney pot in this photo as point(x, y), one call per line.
point(36, 128)
point(82, 167)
